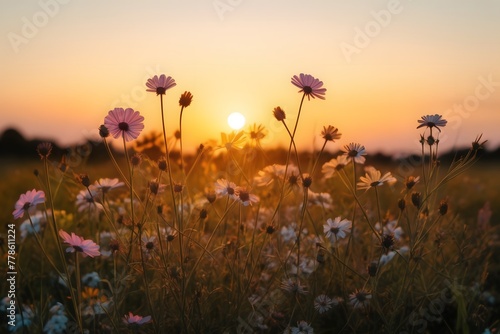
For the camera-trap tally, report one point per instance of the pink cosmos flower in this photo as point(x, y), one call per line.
point(28, 202)
point(159, 85)
point(245, 197)
point(78, 244)
point(309, 85)
point(125, 123)
point(107, 184)
point(224, 187)
point(131, 319)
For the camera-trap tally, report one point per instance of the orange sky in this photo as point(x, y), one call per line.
point(65, 64)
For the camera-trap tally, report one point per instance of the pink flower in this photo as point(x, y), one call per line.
point(77, 243)
point(160, 85)
point(131, 319)
point(309, 85)
point(28, 202)
point(124, 122)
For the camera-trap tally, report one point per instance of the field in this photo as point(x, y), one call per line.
point(242, 239)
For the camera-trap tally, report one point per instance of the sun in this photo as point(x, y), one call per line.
point(236, 120)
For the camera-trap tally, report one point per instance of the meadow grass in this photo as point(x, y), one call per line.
point(242, 239)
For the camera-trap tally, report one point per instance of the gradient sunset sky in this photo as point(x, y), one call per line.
point(65, 64)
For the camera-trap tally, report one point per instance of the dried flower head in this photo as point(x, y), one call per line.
point(279, 114)
point(44, 149)
point(411, 181)
point(136, 160)
point(416, 199)
point(162, 164)
point(103, 131)
point(185, 99)
point(443, 207)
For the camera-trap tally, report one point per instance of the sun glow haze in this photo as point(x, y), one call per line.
point(84, 61)
point(236, 120)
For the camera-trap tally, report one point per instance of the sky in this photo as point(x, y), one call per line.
point(66, 63)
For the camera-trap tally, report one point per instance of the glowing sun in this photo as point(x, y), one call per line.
point(236, 120)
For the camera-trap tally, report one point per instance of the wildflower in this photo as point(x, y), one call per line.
point(106, 184)
point(86, 200)
point(323, 199)
point(114, 245)
point(162, 164)
point(84, 180)
point(211, 197)
point(257, 132)
point(233, 141)
point(323, 303)
point(337, 229)
point(330, 133)
point(401, 204)
point(288, 232)
point(306, 180)
point(156, 188)
point(148, 244)
point(224, 187)
point(279, 114)
point(185, 99)
point(355, 152)
point(245, 197)
point(387, 242)
point(432, 121)
point(44, 149)
point(103, 131)
point(78, 244)
point(171, 234)
point(91, 279)
point(58, 321)
point(411, 181)
point(21, 320)
point(132, 319)
point(270, 229)
point(360, 298)
point(136, 160)
point(125, 123)
point(334, 165)
point(391, 228)
point(373, 178)
point(203, 214)
point(27, 202)
point(38, 219)
point(178, 187)
point(372, 269)
point(160, 85)
point(309, 85)
point(293, 286)
point(302, 328)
